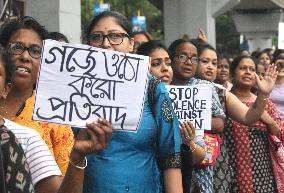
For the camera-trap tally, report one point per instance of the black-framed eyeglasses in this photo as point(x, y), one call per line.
point(18, 48)
point(113, 38)
point(185, 58)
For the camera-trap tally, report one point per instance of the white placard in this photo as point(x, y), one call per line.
point(193, 103)
point(281, 35)
point(79, 83)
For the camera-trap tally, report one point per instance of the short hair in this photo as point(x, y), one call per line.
point(175, 44)
point(148, 47)
point(26, 22)
point(120, 19)
point(58, 36)
point(6, 61)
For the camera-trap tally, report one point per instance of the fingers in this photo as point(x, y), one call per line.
point(102, 127)
point(187, 131)
point(271, 71)
point(202, 35)
point(98, 131)
point(106, 126)
point(257, 78)
point(98, 140)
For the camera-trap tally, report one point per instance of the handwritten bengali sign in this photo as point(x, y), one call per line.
point(193, 103)
point(79, 83)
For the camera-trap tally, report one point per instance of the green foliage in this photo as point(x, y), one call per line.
point(227, 37)
point(129, 8)
point(275, 41)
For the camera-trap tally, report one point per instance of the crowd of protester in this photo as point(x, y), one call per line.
point(163, 155)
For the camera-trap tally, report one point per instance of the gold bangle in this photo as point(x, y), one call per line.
point(192, 150)
point(79, 167)
point(265, 99)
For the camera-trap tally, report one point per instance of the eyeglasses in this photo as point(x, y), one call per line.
point(113, 38)
point(18, 48)
point(185, 58)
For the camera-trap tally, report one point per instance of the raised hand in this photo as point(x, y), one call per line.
point(266, 83)
point(202, 36)
point(94, 138)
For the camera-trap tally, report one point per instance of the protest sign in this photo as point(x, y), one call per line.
point(79, 83)
point(193, 103)
point(138, 23)
point(99, 8)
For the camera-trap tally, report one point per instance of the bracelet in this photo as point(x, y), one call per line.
point(265, 99)
point(192, 150)
point(79, 167)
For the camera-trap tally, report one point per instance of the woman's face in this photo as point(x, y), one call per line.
point(139, 39)
point(260, 70)
point(207, 65)
point(27, 67)
point(108, 26)
point(245, 73)
point(185, 69)
point(223, 71)
point(280, 67)
point(161, 65)
point(264, 59)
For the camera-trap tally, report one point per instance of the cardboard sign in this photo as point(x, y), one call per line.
point(79, 83)
point(193, 103)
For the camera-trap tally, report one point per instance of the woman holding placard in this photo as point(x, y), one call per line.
point(133, 161)
point(185, 69)
point(207, 69)
point(161, 68)
point(26, 164)
point(183, 54)
point(23, 40)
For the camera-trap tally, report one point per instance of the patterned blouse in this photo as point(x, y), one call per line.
point(58, 138)
point(249, 154)
point(15, 175)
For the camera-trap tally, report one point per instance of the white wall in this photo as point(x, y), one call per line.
point(58, 15)
point(186, 17)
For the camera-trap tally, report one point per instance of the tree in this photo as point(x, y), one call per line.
point(227, 37)
point(128, 8)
